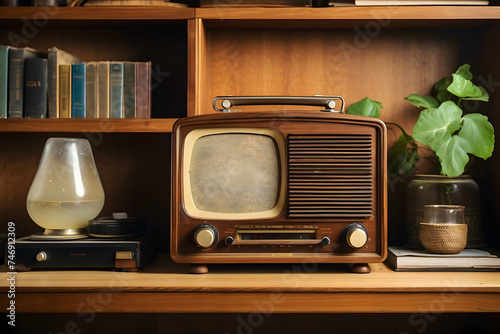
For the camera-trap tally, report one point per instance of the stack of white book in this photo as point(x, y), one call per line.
point(468, 259)
point(413, 3)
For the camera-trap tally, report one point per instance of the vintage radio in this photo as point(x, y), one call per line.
point(279, 186)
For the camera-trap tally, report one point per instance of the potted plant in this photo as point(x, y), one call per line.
point(453, 136)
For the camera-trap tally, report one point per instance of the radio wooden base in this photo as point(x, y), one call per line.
point(356, 268)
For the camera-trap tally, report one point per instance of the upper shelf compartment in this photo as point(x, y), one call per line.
point(347, 17)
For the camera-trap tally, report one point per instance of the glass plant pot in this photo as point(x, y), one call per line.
point(66, 191)
point(437, 189)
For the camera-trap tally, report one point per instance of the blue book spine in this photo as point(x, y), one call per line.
point(4, 80)
point(78, 94)
point(116, 90)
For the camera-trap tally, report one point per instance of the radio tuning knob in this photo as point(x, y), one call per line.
point(206, 235)
point(355, 235)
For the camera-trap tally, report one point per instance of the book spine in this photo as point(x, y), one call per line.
point(103, 89)
point(4, 80)
point(78, 95)
point(52, 69)
point(143, 89)
point(16, 76)
point(35, 88)
point(91, 89)
point(150, 75)
point(65, 91)
point(129, 90)
point(116, 90)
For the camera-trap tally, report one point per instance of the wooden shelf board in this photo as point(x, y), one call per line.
point(87, 125)
point(353, 13)
point(374, 17)
point(164, 286)
point(106, 13)
point(278, 302)
point(163, 275)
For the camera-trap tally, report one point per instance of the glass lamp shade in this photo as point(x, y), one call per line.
point(66, 191)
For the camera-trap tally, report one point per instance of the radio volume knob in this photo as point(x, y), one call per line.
point(41, 256)
point(355, 235)
point(206, 235)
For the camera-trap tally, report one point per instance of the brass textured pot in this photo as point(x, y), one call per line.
point(438, 189)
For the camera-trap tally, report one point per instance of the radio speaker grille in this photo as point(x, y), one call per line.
point(330, 176)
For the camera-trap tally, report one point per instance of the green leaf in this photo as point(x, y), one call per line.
point(365, 107)
point(485, 97)
point(462, 87)
point(403, 154)
point(465, 72)
point(479, 135)
point(453, 156)
point(440, 92)
point(422, 101)
point(436, 125)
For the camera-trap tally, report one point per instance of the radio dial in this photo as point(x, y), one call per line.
point(206, 236)
point(355, 235)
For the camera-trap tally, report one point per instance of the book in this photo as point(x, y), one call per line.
point(65, 91)
point(56, 57)
point(421, 2)
point(91, 89)
point(17, 56)
point(4, 79)
point(129, 89)
point(103, 89)
point(143, 89)
point(116, 90)
point(401, 258)
point(78, 94)
point(35, 88)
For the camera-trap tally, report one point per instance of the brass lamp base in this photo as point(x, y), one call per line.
point(61, 234)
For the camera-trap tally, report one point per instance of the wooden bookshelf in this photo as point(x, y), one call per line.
point(382, 52)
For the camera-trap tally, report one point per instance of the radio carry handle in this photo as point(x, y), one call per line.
point(328, 102)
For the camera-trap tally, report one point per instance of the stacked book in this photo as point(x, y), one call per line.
point(23, 78)
point(57, 84)
point(408, 3)
point(421, 2)
point(404, 259)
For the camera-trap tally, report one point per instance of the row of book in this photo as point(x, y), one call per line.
point(105, 89)
point(57, 84)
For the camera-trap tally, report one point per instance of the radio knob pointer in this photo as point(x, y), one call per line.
point(206, 236)
point(325, 241)
point(355, 235)
point(229, 241)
